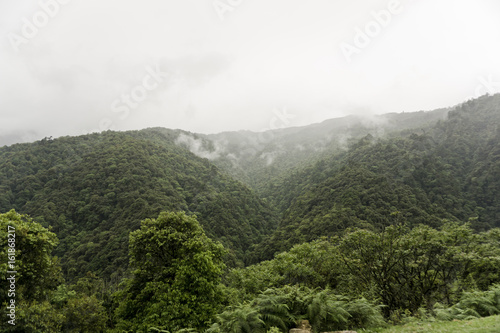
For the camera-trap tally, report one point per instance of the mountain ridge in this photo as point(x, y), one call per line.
point(257, 195)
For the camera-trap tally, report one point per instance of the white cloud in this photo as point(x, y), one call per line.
point(231, 74)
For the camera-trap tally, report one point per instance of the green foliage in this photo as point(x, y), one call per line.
point(176, 276)
point(37, 271)
point(484, 270)
point(283, 307)
point(266, 161)
point(327, 311)
point(43, 304)
point(483, 325)
point(314, 264)
point(85, 315)
point(484, 303)
point(38, 317)
point(409, 268)
point(241, 319)
point(446, 171)
point(472, 304)
point(273, 309)
point(269, 310)
point(94, 189)
point(37, 274)
point(364, 314)
point(369, 224)
point(405, 270)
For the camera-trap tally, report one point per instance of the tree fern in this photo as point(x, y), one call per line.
point(327, 311)
point(481, 302)
point(240, 319)
point(364, 314)
point(273, 309)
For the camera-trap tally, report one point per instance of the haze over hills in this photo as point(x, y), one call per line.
point(246, 154)
point(139, 192)
point(416, 168)
point(93, 190)
point(292, 185)
point(445, 171)
point(399, 211)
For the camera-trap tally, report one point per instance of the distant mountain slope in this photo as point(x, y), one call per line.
point(94, 189)
point(448, 171)
point(257, 158)
point(317, 180)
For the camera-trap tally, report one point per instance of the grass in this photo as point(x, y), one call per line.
point(481, 325)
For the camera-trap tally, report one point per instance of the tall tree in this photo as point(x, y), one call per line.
point(37, 270)
point(176, 278)
point(28, 273)
point(410, 268)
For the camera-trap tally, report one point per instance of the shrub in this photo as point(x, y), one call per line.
point(363, 314)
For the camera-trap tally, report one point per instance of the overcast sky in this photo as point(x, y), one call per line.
point(69, 67)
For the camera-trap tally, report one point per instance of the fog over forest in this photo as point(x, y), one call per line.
point(232, 166)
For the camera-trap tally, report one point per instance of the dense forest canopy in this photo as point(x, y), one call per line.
point(349, 223)
point(93, 190)
point(445, 171)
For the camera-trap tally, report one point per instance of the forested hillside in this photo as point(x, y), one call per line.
point(164, 230)
point(317, 180)
point(447, 171)
point(260, 158)
point(93, 190)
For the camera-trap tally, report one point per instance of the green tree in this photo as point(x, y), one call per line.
point(38, 317)
point(314, 264)
point(85, 315)
point(176, 277)
point(38, 273)
point(408, 269)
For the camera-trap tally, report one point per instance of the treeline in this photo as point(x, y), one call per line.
point(447, 171)
point(388, 227)
point(93, 190)
point(261, 159)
